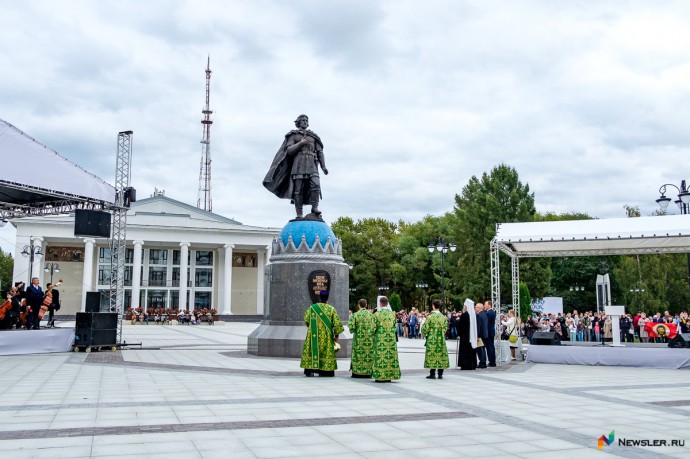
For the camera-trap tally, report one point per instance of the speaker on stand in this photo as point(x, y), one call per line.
point(93, 302)
point(95, 329)
point(545, 339)
point(681, 340)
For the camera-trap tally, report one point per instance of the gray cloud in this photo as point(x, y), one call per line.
point(589, 102)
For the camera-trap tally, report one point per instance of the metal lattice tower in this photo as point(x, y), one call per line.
point(204, 201)
point(119, 236)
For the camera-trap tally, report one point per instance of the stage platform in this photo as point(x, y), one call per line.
point(624, 356)
point(43, 341)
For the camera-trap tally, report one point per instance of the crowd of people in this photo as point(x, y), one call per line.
point(587, 326)
point(163, 316)
point(24, 308)
point(598, 327)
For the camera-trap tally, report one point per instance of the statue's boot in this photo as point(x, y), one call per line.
point(299, 201)
point(315, 209)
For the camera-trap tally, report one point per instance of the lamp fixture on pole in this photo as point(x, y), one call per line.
point(683, 203)
point(423, 286)
point(442, 246)
point(52, 268)
point(31, 251)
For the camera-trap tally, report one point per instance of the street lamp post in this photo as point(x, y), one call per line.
point(639, 292)
point(576, 288)
point(683, 203)
point(442, 246)
point(52, 268)
point(31, 251)
point(423, 286)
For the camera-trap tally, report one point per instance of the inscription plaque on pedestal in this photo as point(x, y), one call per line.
point(318, 281)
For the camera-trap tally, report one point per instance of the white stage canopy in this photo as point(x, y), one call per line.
point(578, 238)
point(613, 236)
point(44, 181)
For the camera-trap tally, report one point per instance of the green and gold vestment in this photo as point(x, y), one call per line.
point(386, 365)
point(434, 329)
point(323, 325)
point(362, 325)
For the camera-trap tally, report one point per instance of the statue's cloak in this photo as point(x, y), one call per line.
point(278, 179)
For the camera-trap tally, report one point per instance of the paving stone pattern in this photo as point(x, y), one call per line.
point(194, 392)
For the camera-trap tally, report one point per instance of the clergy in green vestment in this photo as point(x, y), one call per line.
point(362, 325)
point(324, 326)
point(435, 327)
point(386, 365)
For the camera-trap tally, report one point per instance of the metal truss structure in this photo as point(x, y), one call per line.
point(204, 201)
point(49, 203)
point(496, 301)
point(593, 244)
point(119, 228)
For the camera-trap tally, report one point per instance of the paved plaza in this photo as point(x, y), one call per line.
point(194, 392)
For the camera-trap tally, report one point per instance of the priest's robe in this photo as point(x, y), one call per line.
point(362, 325)
point(323, 325)
point(386, 364)
point(436, 355)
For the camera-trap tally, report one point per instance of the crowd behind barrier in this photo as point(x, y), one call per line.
point(586, 326)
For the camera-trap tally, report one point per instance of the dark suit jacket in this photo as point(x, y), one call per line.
point(56, 297)
point(491, 322)
point(482, 326)
point(34, 296)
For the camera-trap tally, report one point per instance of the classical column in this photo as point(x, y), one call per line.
point(37, 267)
point(184, 265)
point(136, 273)
point(260, 257)
point(87, 279)
point(226, 308)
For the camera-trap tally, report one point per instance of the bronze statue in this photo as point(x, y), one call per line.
point(294, 173)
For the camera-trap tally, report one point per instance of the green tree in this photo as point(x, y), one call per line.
point(6, 269)
point(651, 283)
point(395, 302)
point(415, 264)
point(525, 302)
point(370, 247)
point(496, 197)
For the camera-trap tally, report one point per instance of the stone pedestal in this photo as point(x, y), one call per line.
point(302, 248)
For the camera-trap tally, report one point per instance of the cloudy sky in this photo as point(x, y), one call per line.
point(589, 100)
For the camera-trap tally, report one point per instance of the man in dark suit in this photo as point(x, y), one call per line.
point(482, 332)
point(34, 300)
point(491, 325)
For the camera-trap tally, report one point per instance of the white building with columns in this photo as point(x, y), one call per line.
point(177, 256)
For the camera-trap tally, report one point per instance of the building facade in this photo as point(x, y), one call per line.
point(177, 256)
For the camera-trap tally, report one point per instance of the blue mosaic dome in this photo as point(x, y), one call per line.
point(308, 228)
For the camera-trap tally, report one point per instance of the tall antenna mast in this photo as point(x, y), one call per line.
point(204, 201)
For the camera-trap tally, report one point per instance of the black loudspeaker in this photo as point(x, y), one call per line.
point(545, 339)
point(84, 320)
point(94, 337)
point(95, 329)
point(104, 320)
point(96, 320)
point(91, 223)
point(93, 302)
point(681, 340)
